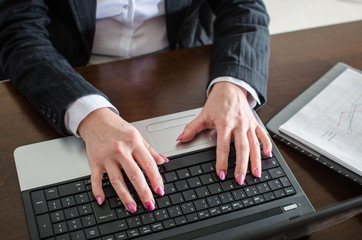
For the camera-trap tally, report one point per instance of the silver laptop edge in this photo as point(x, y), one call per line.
point(64, 159)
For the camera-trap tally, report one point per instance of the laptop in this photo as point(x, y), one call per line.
point(54, 178)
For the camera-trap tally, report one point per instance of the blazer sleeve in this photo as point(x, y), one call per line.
point(241, 45)
point(34, 66)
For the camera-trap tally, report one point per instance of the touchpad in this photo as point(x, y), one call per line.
point(163, 135)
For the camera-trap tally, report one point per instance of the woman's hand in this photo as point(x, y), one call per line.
point(227, 110)
point(114, 144)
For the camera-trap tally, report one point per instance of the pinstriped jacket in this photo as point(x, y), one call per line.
point(42, 40)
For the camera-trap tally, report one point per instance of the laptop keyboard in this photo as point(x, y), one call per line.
point(193, 192)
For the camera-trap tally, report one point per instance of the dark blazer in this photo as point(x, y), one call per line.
point(42, 40)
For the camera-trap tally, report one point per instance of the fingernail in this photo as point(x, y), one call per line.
point(222, 175)
point(150, 205)
point(160, 191)
point(241, 179)
point(257, 172)
point(179, 137)
point(165, 158)
point(270, 154)
point(99, 200)
point(132, 207)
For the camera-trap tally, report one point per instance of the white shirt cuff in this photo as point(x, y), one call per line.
point(252, 95)
point(83, 106)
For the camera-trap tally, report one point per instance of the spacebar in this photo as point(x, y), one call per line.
point(189, 160)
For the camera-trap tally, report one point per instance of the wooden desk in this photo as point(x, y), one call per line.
point(168, 82)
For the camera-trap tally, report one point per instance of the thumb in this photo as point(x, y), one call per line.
point(191, 129)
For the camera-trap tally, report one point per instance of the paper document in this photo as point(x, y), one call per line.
point(331, 123)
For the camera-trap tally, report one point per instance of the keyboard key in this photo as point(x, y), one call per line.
point(68, 201)
point(103, 213)
point(275, 184)
point(195, 170)
point(215, 211)
point(289, 190)
point(227, 185)
point(226, 208)
point(213, 201)
point(194, 182)
point(85, 209)
point(51, 193)
point(269, 196)
point(279, 193)
point(284, 181)
point(264, 177)
point(251, 180)
point(187, 207)
point(133, 233)
point(148, 218)
point(71, 188)
point(161, 214)
point(263, 188)
point(156, 227)
point(200, 204)
point(176, 198)
point(57, 216)
point(88, 221)
point(183, 173)
point(258, 199)
point(39, 202)
point(193, 217)
point(171, 177)
point(123, 213)
point(214, 188)
point(44, 225)
point(71, 213)
point(276, 172)
point(180, 220)
point(203, 214)
point(251, 191)
point(189, 195)
point(54, 205)
point(121, 235)
point(170, 223)
point(181, 185)
point(206, 179)
point(238, 194)
point(174, 211)
point(63, 237)
point(170, 188)
point(208, 167)
point(81, 198)
point(77, 235)
point(247, 202)
point(269, 163)
point(202, 192)
point(226, 197)
point(60, 227)
point(74, 224)
point(144, 230)
point(112, 227)
point(163, 202)
point(237, 205)
point(134, 222)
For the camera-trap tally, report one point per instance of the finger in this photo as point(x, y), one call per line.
point(119, 185)
point(138, 181)
point(160, 159)
point(191, 129)
point(146, 162)
point(222, 152)
point(242, 156)
point(254, 153)
point(96, 183)
point(265, 141)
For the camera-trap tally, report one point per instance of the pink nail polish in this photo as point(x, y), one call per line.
point(150, 205)
point(241, 179)
point(270, 154)
point(179, 137)
point(165, 158)
point(222, 175)
point(99, 200)
point(132, 207)
point(160, 191)
point(257, 172)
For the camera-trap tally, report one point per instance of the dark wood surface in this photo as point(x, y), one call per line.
point(169, 82)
